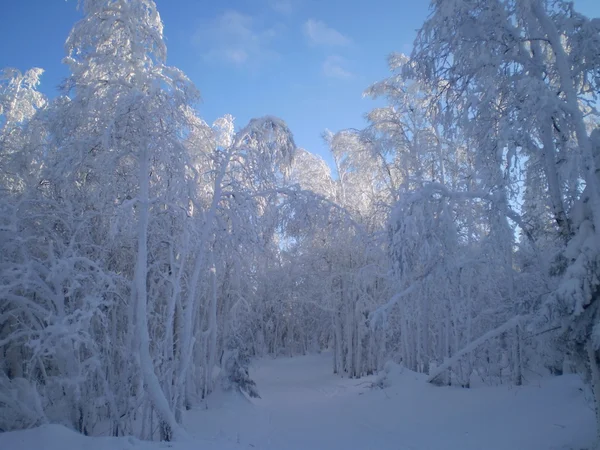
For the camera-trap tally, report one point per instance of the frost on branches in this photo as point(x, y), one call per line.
point(147, 257)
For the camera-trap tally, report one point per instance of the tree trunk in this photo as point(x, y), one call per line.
point(595, 382)
point(473, 345)
point(151, 381)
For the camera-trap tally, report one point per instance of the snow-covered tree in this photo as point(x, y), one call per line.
point(21, 144)
point(519, 79)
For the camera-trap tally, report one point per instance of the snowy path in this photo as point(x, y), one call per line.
point(305, 407)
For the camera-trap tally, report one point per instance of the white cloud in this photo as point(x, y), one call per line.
point(333, 67)
point(318, 33)
point(235, 55)
point(236, 38)
point(285, 7)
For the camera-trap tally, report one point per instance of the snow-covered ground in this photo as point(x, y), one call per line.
point(304, 406)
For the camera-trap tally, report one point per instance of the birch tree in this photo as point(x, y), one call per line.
point(526, 71)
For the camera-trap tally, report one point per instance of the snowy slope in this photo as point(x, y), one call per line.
point(304, 406)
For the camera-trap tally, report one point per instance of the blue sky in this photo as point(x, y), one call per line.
point(306, 61)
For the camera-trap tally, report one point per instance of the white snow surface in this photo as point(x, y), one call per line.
point(305, 407)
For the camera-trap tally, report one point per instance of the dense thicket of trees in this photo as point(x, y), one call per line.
point(146, 256)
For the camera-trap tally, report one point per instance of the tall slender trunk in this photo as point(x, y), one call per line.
point(151, 381)
point(549, 157)
point(566, 79)
point(190, 308)
point(595, 372)
point(212, 327)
